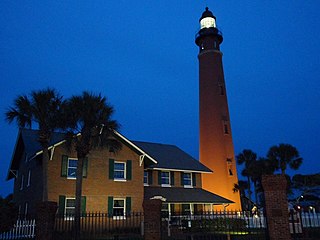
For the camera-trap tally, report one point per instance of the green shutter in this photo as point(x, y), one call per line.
point(128, 205)
point(194, 179)
point(181, 179)
point(64, 166)
point(172, 178)
point(83, 204)
point(62, 204)
point(150, 178)
point(85, 167)
point(110, 206)
point(111, 168)
point(159, 177)
point(129, 170)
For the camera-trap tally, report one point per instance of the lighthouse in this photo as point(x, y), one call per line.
point(215, 138)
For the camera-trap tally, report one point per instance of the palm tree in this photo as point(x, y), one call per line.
point(248, 158)
point(41, 108)
point(284, 155)
point(88, 118)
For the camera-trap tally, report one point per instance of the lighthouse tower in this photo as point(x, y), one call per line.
point(216, 147)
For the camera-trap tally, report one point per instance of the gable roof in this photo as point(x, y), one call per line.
point(170, 157)
point(163, 156)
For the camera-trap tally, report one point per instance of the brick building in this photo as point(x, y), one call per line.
point(116, 183)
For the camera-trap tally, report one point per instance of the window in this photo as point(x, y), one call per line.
point(186, 209)
point(72, 168)
point(165, 178)
point(29, 178)
point(118, 207)
point(145, 178)
point(229, 166)
point(226, 129)
point(70, 206)
point(119, 170)
point(187, 179)
point(21, 182)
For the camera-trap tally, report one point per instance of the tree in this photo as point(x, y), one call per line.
point(88, 120)
point(248, 158)
point(308, 185)
point(41, 108)
point(284, 155)
point(8, 213)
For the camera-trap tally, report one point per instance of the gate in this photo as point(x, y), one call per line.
point(304, 225)
point(214, 226)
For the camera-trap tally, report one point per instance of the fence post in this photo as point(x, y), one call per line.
point(45, 218)
point(275, 192)
point(152, 219)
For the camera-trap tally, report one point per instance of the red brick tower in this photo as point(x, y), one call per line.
point(216, 147)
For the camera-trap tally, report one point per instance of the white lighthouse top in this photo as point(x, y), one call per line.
point(207, 19)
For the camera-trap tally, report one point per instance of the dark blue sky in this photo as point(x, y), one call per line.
point(142, 56)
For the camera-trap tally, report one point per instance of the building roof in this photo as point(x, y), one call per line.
point(171, 157)
point(184, 195)
point(162, 156)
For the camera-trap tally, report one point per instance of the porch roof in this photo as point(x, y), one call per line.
point(184, 195)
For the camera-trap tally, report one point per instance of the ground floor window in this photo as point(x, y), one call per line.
point(118, 207)
point(70, 206)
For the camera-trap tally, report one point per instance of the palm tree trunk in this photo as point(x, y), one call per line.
point(249, 189)
point(255, 191)
point(78, 197)
point(45, 160)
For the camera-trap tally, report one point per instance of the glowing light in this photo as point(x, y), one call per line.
point(207, 22)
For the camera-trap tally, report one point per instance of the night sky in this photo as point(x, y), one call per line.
point(141, 55)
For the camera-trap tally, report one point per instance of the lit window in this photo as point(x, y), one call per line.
point(165, 178)
point(70, 207)
point(21, 183)
point(119, 171)
point(29, 178)
point(72, 168)
point(118, 207)
point(187, 179)
point(145, 178)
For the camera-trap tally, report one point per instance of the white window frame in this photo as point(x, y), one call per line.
point(169, 179)
point(29, 178)
point(124, 208)
point(21, 182)
point(65, 208)
point(70, 177)
point(189, 185)
point(146, 183)
point(124, 171)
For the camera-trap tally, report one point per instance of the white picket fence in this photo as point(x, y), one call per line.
point(22, 229)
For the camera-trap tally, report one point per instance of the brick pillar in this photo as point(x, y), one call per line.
point(152, 219)
point(275, 192)
point(45, 218)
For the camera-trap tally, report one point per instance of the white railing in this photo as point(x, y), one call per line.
point(22, 229)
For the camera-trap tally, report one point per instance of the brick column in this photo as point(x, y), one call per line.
point(275, 192)
point(152, 219)
point(45, 218)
